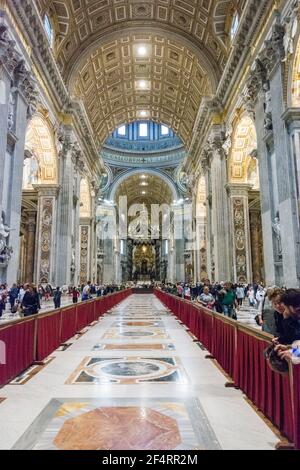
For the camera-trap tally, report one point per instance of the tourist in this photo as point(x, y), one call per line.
point(206, 299)
point(228, 301)
point(57, 298)
point(2, 304)
point(13, 295)
point(251, 297)
point(271, 311)
point(289, 330)
point(240, 295)
point(75, 295)
point(31, 302)
point(86, 291)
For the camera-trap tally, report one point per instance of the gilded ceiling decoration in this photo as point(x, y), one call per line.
point(243, 166)
point(146, 190)
point(118, 86)
point(186, 44)
point(81, 22)
point(40, 164)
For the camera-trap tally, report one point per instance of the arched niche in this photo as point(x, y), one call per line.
point(40, 159)
point(243, 164)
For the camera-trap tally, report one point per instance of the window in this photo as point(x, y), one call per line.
point(122, 247)
point(164, 130)
point(143, 130)
point(48, 29)
point(122, 130)
point(234, 25)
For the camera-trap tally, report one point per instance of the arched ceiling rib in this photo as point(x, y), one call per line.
point(149, 190)
point(202, 21)
point(108, 84)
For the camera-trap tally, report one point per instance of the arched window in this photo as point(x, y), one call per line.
point(49, 29)
point(234, 25)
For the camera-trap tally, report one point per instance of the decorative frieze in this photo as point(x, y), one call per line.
point(84, 253)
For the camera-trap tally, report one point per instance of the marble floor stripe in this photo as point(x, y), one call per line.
point(134, 380)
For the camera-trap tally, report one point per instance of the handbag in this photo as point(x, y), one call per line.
point(275, 362)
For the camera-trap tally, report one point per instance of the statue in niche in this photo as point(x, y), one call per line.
point(268, 123)
point(291, 27)
point(73, 266)
point(34, 170)
point(252, 173)
point(11, 112)
point(5, 250)
point(277, 230)
point(31, 170)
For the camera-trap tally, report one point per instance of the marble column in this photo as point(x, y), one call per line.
point(25, 101)
point(8, 61)
point(67, 252)
point(283, 241)
point(240, 232)
point(210, 264)
point(220, 216)
point(30, 246)
point(45, 234)
point(179, 244)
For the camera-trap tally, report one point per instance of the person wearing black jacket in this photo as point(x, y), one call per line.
point(31, 301)
point(57, 298)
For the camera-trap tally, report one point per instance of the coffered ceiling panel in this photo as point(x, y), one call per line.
point(201, 21)
point(166, 85)
point(149, 190)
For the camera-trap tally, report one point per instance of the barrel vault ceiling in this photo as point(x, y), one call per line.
point(95, 48)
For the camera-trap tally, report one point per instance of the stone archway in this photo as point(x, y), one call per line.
point(38, 202)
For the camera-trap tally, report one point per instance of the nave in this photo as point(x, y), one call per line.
point(134, 380)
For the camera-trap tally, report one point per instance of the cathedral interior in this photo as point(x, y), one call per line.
point(184, 104)
point(149, 141)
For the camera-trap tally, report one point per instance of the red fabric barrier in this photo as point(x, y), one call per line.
point(90, 315)
point(269, 391)
point(22, 348)
point(82, 315)
point(240, 353)
point(223, 344)
point(48, 334)
point(18, 346)
point(68, 324)
point(296, 394)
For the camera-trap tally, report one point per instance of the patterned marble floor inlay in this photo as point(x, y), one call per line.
point(128, 370)
point(134, 346)
point(131, 333)
point(147, 323)
point(120, 424)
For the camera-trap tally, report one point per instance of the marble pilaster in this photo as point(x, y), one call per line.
point(24, 106)
point(240, 232)
point(67, 203)
point(45, 234)
point(30, 246)
point(84, 241)
point(179, 244)
point(286, 227)
point(256, 246)
point(220, 216)
point(8, 62)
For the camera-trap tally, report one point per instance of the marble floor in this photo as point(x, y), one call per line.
point(134, 380)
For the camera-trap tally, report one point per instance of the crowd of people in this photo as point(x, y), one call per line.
point(26, 299)
point(277, 310)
